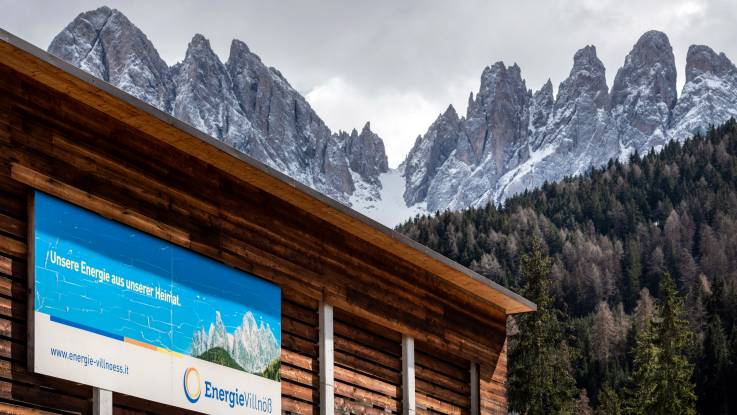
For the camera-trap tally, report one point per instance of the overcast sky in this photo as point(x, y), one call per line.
point(400, 63)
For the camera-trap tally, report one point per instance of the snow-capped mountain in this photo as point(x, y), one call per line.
point(512, 139)
point(251, 345)
point(241, 102)
point(709, 95)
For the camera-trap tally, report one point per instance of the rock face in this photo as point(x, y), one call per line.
point(644, 93)
point(512, 139)
point(242, 102)
point(460, 159)
point(709, 95)
point(366, 154)
point(106, 44)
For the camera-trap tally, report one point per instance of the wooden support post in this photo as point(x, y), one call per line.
point(327, 397)
point(102, 402)
point(408, 375)
point(475, 393)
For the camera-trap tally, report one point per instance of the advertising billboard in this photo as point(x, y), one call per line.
point(121, 310)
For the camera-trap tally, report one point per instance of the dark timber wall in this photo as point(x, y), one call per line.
point(59, 145)
point(368, 368)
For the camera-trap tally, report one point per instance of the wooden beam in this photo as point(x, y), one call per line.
point(96, 204)
point(102, 402)
point(327, 359)
point(408, 375)
point(475, 408)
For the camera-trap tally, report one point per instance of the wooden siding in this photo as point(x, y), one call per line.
point(443, 382)
point(493, 386)
point(300, 379)
point(368, 368)
point(53, 143)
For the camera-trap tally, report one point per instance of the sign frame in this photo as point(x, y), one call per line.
point(33, 321)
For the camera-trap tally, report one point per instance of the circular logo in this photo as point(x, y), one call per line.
point(192, 385)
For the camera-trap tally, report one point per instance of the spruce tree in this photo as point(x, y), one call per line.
point(661, 381)
point(610, 402)
point(714, 388)
point(675, 389)
point(642, 393)
point(540, 380)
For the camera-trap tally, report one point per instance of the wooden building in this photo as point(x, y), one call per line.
point(372, 322)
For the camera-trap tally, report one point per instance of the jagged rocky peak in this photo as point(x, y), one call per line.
point(253, 346)
point(498, 84)
point(643, 94)
point(498, 118)
point(581, 96)
point(702, 60)
point(429, 153)
point(649, 71)
point(709, 96)
point(266, 97)
point(242, 102)
point(544, 95)
point(251, 80)
point(106, 44)
point(366, 154)
point(541, 108)
point(204, 96)
point(587, 76)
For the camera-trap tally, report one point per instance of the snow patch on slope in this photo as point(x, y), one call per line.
point(389, 208)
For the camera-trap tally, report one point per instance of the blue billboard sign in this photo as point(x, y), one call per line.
point(122, 310)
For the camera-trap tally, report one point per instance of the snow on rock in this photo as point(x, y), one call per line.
point(512, 140)
point(709, 96)
point(241, 102)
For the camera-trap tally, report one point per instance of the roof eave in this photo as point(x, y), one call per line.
point(60, 75)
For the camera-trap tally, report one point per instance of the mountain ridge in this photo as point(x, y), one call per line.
point(241, 102)
point(585, 125)
point(511, 138)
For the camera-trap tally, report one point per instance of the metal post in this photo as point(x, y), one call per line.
point(327, 398)
point(408, 375)
point(102, 402)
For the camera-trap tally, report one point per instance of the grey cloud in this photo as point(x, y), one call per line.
point(435, 49)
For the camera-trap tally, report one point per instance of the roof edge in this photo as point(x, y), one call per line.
point(477, 286)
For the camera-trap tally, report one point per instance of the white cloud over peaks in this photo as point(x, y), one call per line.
point(398, 117)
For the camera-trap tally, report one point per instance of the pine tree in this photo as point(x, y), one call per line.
point(540, 377)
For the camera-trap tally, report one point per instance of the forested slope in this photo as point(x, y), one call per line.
point(612, 234)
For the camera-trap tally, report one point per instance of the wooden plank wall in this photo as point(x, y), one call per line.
point(179, 198)
point(368, 367)
point(493, 386)
point(300, 379)
point(18, 387)
point(443, 382)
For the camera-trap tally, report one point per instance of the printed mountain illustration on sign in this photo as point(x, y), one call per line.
point(251, 347)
